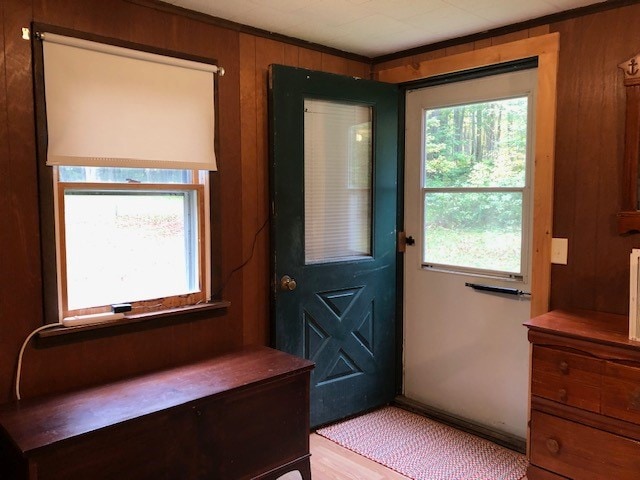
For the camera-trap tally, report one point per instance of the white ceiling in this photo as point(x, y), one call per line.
point(378, 27)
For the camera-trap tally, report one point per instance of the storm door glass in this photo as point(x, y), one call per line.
point(475, 186)
point(337, 181)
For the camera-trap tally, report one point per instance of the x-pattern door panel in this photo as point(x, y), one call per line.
point(339, 334)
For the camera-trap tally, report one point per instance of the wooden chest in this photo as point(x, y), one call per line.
point(244, 415)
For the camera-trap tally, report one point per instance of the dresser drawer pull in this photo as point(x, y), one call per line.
point(562, 395)
point(553, 446)
point(564, 367)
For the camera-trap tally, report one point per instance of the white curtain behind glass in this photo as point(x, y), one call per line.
point(337, 173)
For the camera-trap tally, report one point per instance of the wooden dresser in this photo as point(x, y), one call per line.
point(244, 415)
point(585, 397)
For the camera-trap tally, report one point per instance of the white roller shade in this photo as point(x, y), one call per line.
point(116, 107)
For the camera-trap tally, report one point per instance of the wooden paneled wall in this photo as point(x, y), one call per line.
point(243, 168)
point(589, 153)
point(587, 178)
point(77, 362)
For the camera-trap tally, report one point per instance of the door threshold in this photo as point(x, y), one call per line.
point(501, 438)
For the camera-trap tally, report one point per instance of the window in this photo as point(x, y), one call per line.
point(129, 147)
point(337, 187)
point(130, 235)
point(475, 186)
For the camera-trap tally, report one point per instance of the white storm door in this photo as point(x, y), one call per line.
point(468, 171)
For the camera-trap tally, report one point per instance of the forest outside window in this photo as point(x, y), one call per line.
point(474, 186)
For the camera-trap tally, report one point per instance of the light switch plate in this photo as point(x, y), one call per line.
point(559, 250)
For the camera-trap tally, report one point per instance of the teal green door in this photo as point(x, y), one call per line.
point(334, 197)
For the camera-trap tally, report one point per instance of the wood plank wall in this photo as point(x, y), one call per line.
point(589, 149)
point(587, 193)
point(589, 152)
point(243, 163)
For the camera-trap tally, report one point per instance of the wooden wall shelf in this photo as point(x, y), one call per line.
point(629, 222)
point(629, 217)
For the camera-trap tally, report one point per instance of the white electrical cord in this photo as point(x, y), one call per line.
point(20, 355)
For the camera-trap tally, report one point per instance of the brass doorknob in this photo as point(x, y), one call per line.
point(287, 283)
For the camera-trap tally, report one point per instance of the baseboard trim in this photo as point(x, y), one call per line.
point(501, 438)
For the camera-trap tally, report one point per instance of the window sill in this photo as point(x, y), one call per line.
point(135, 321)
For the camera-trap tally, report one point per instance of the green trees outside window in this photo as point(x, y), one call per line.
point(474, 178)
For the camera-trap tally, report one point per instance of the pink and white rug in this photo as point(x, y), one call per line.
point(423, 449)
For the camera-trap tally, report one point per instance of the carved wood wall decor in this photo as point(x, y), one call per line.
point(629, 216)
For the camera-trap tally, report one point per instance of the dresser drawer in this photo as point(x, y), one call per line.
point(535, 473)
point(621, 392)
point(580, 452)
point(567, 378)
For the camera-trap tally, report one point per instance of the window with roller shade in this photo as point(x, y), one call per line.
point(130, 142)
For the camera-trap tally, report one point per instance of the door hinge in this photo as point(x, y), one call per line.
point(403, 241)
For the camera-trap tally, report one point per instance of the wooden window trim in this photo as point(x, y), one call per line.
point(142, 306)
point(138, 321)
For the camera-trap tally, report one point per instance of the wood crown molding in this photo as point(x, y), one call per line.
point(507, 52)
point(515, 27)
point(536, 22)
point(241, 28)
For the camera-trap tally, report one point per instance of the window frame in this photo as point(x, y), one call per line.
point(211, 240)
point(526, 189)
point(138, 306)
point(521, 275)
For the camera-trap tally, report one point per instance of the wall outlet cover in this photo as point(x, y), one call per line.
point(559, 250)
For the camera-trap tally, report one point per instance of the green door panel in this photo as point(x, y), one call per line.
point(341, 314)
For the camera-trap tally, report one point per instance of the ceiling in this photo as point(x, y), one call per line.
point(378, 27)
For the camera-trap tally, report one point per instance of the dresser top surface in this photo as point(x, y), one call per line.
point(599, 327)
point(37, 423)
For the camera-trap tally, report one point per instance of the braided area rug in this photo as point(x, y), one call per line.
point(423, 449)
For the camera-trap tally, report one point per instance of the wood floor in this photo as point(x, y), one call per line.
point(330, 461)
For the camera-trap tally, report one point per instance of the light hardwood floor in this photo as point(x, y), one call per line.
point(330, 461)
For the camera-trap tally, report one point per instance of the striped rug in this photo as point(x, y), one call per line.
point(423, 449)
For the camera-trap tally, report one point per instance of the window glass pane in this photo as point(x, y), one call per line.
point(123, 175)
point(337, 180)
point(126, 246)
point(479, 230)
point(476, 145)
